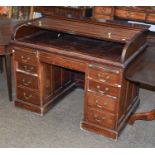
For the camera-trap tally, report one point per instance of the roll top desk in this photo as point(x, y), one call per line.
point(49, 51)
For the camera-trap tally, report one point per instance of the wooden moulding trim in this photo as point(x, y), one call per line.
point(28, 106)
point(99, 130)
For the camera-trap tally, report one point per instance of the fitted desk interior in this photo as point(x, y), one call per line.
point(49, 53)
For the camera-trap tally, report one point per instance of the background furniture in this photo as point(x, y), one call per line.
point(9, 18)
point(137, 13)
point(143, 71)
point(6, 29)
point(68, 11)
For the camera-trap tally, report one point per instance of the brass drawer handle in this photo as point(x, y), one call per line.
point(103, 79)
point(99, 106)
point(40, 23)
point(25, 59)
point(26, 83)
point(109, 35)
point(27, 97)
point(28, 69)
point(98, 87)
point(98, 119)
point(105, 103)
point(105, 90)
point(13, 51)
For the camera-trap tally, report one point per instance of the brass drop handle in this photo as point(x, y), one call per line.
point(28, 70)
point(98, 87)
point(40, 23)
point(25, 59)
point(99, 119)
point(13, 51)
point(105, 90)
point(105, 103)
point(27, 97)
point(109, 34)
point(97, 104)
point(105, 78)
point(26, 83)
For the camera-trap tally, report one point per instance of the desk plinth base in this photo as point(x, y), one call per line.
point(39, 110)
point(99, 130)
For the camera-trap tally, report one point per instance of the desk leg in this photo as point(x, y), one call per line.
point(8, 74)
point(1, 64)
point(147, 116)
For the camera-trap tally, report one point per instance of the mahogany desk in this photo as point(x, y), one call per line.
point(48, 51)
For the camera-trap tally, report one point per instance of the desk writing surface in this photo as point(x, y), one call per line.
point(142, 71)
point(76, 44)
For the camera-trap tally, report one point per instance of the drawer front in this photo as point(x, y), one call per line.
point(101, 102)
point(103, 10)
point(28, 96)
point(103, 88)
point(104, 75)
point(100, 118)
point(27, 68)
point(63, 62)
point(151, 18)
point(26, 57)
point(129, 14)
point(27, 80)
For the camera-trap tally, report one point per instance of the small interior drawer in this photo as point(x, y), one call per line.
point(151, 17)
point(130, 14)
point(103, 10)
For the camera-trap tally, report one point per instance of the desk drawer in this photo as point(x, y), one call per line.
point(130, 14)
point(27, 68)
point(103, 10)
point(26, 57)
point(27, 80)
point(28, 96)
point(101, 102)
point(151, 17)
point(103, 88)
point(105, 75)
point(100, 118)
point(63, 61)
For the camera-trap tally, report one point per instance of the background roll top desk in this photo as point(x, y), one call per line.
point(48, 51)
